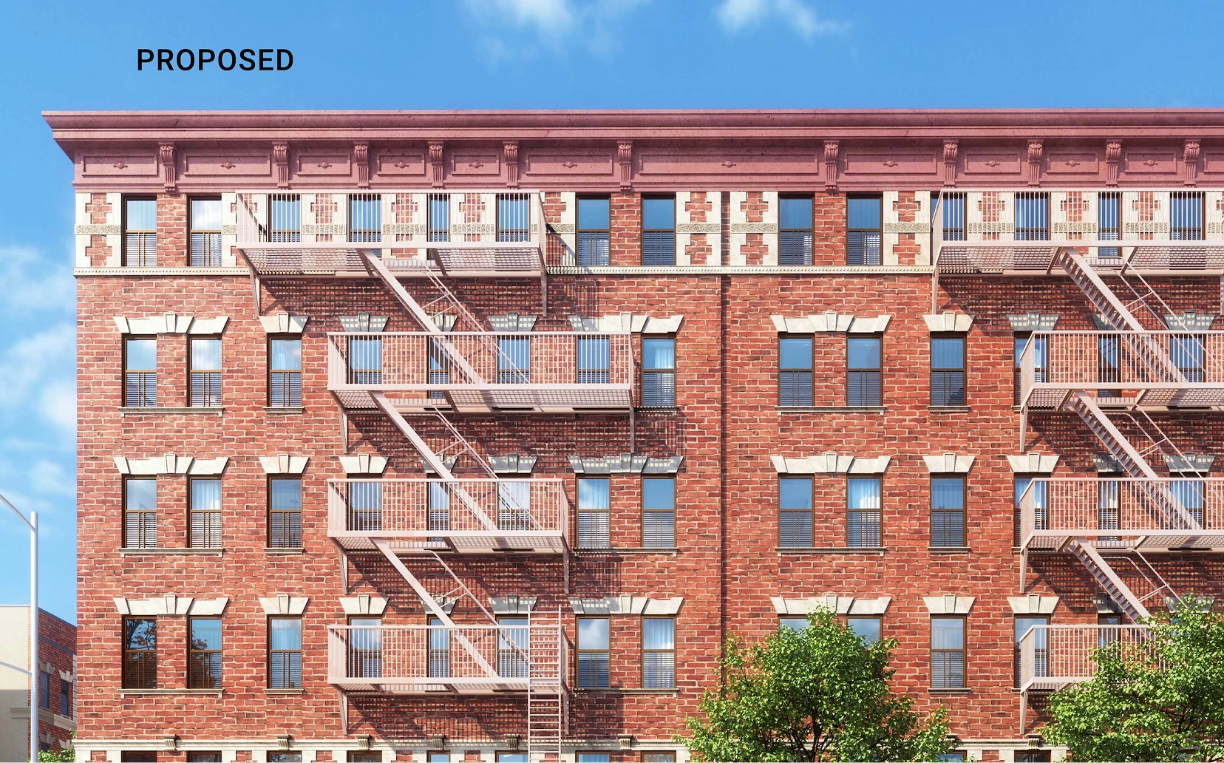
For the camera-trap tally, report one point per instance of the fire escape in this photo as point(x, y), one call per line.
point(1145, 359)
point(423, 382)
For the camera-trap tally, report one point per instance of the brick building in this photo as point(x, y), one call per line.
point(430, 436)
point(56, 677)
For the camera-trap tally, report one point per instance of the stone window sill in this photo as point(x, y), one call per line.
point(950, 549)
point(615, 690)
point(172, 551)
point(958, 690)
point(271, 550)
point(138, 692)
point(283, 411)
point(949, 408)
point(831, 550)
point(166, 410)
point(877, 409)
point(673, 550)
point(289, 692)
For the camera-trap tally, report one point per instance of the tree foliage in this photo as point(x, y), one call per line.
point(812, 695)
point(1157, 699)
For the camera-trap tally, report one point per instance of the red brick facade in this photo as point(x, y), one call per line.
point(727, 425)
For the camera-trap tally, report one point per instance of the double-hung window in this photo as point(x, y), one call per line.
point(863, 512)
point(594, 360)
point(514, 505)
point(438, 665)
point(1190, 493)
point(795, 230)
point(1109, 222)
point(285, 218)
point(658, 653)
point(365, 504)
point(514, 359)
point(438, 212)
point(140, 372)
point(205, 233)
point(1186, 215)
point(948, 511)
point(866, 627)
point(44, 690)
point(593, 512)
point(513, 639)
point(1109, 369)
point(593, 647)
point(1032, 216)
point(1040, 362)
point(947, 652)
point(792, 623)
point(205, 513)
point(1187, 353)
point(513, 217)
point(1040, 652)
point(658, 372)
point(284, 372)
point(1040, 493)
point(140, 512)
point(864, 368)
point(205, 389)
point(1109, 508)
point(365, 647)
point(204, 653)
point(365, 359)
point(594, 231)
point(794, 371)
point(795, 512)
point(953, 213)
point(439, 507)
point(65, 703)
point(284, 653)
point(659, 231)
point(284, 512)
point(139, 653)
point(659, 512)
point(864, 230)
point(140, 232)
point(365, 218)
point(948, 371)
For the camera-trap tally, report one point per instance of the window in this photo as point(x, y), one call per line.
point(795, 511)
point(866, 628)
point(1109, 222)
point(863, 371)
point(365, 218)
point(947, 652)
point(205, 233)
point(947, 371)
point(365, 505)
point(948, 511)
point(794, 371)
point(953, 756)
point(439, 217)
point(1190, 494)
point(1108, 369)
point(659, 372)
point(285, 512)
point(1108, 508)
point(205, 513)
point(438, 757)
point(659, 512)
point(205, 373)
point(204, 653)
point(285, 218)
point(593, 652)
point(140, 513)
point(1040, 362)
point(1187, 355)
point(514, 505)
point(365, 359)
point(365, 647)
point(1107, 634)
point(438, 371)
point(439, 649)
point(592, 757)
point(514, 360)
point(284, 373)
point(659, 231)
point(1040, 492)
point(134, 756)
point(284, 652)
point(439, 507)
point(1040, 653)
point(658, 653)
point(65, 703)
point(139, 653)
point(1032, 216)
point(953, 216)
point(795, 230)
point(793, 623)
point(864, 225)
point(203, 757)
point(513, 217)
point(659, 756)
point(284, 757)
point(513, 638)
point(44, 690)
point(365, 756)
point(1031, 756)
point(863, 512)
point(511, 757)
point(140, 233)
point(593, 231)
point(593, 511)
point(140, 372)
point(594, 360)
point(1186, 216)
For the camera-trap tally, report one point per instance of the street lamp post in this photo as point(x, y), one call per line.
point(32, 524)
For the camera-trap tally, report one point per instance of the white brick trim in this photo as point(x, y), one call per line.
point(842, 605)
point(512, 464)
point(284, 323)
point(626, 605)
point(948, 463)
point(1033, 321)
point(948, 322)
point(512, 605)
point(283, 464)
point(948, 604)
point(830, 322)
point(284, 604)
point(831, 463)
point(170, 464)
point(363, 463)
point(1032, 604)
point(168, 605)
point(513, 322)
point(626, 464)
point(170, 323)
point(363, 604)
point(1190, 321)
point(1032, 463)
point(363, 323)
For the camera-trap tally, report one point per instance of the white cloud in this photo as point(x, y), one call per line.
point(58, 404)
point(547, 16)
point(33, 283)
point(37, 371)
point(554, 23)
point(48, 477)
point(738, 15)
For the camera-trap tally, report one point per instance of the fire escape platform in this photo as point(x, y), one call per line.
point(509, 398)
point(1029, 258)
point(297, 260)
point(411, 543)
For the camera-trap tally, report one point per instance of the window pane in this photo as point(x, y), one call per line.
point(287, 354)
point(286, 633)
point(795, 352)
point(795, 214)
point(142, 214)
point(947, 493)
point(142, 354)
point(206, 495)
point(659, 494)
point(659, 354)
point(793, 623)
point(866, 628)
point(864, 213)
point(863, 492)
point(592, 633)
point(863, 353)
point(206, 633)
point(206, 214)
point(592, 757)
point(948, 353)
point(947, 633)
point(659, 214)
point(1024, 623)
point(795, 493)
point(206, 354)
point(287, 494)
point(658, 633)
point(593, 494)
point(593, 214)
point(141, 495)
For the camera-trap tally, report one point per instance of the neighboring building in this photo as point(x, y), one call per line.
point(407, 435)
point(56, 674)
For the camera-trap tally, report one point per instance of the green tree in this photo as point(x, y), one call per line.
point(1159, 698)
point(812, 695)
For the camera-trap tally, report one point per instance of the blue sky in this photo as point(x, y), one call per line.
point(497, 54)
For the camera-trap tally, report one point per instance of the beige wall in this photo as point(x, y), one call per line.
point(14, 686)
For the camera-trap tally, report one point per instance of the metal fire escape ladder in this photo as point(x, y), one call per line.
point(1109, 580)
point(546, 700)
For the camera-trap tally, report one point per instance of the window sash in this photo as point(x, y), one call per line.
point(205, 513)
point(594, 511)
point(514, 360)
point(1186, 215)
point(594, 360)
point(593, 242)
point(365, 648)
point(863, 243)
point(863, 512)
point(365, 218)
point(513, 218)
point(864, 371)
point(658, 241)
point(284, 653)
point(593, 663)
point(953, 217)
point(140, 232)
point(285, 219)
point(1032, 216)
point(139, 653)
point(947, 653)
point(205, 234)
point(284, 512)
point(204, 656)
point(1041, 654)
point(1109, 222)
